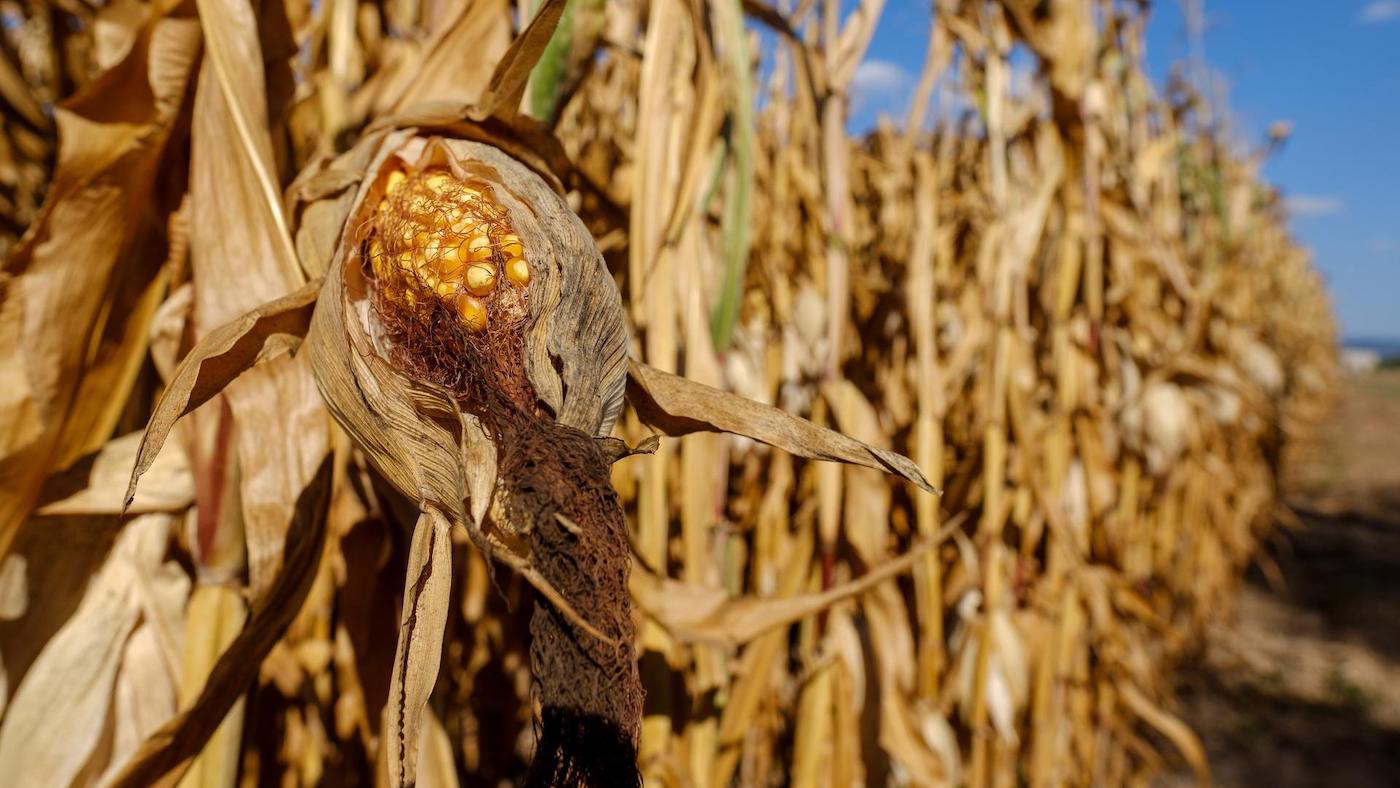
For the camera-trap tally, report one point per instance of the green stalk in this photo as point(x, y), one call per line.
point(548, 75)
point(734, 225)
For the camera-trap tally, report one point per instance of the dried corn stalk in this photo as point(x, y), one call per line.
point(1068, 300)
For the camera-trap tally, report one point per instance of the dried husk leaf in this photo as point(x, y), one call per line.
point(677, 406)
point(709, 615)
point(481, 29)
point(215, 616)
point(53, 729)
point(426, 600)
point(98, 484)
point(225, 353)
point(180, 739)
point(236, 214)
point(55, 284)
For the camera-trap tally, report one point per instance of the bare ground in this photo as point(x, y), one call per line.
point(1301, 687)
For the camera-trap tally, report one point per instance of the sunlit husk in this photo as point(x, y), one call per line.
point(575, 318)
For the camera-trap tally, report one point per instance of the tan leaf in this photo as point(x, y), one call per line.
point(55, 285)
point(145, 693)
point(426, 599)
point(222, 356)
point(677, 406)
point(502, 96)
point(97, 485)
point(53, 728)
point(709, 615)
point(118, 351)
point(183, 736)
point(14, 588)
point(437, 766)
point(284, 434)
point(237, 224)
point(242, 256)
point(458, 64)
point(215, 615)
point(1176, 731)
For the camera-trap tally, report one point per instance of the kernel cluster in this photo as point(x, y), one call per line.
point(433, 235)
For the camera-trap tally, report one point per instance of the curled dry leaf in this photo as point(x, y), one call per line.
point(53, 730)
point(427, 598)
point(1177, 732)
point(709, 615)
point(183, 736)
point(223, 355)
point(54, 287)
point(677, 406)
point(98, 484)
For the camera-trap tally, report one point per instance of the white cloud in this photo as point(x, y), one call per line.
point(1385, 244)
point(1378, 11)
point(1308, 205)
point(879, 77)
point(881, 86)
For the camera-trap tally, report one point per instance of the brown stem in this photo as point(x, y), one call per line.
point(589, 689)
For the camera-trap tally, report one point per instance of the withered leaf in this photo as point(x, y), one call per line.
point(709, 615)
point(426, 599)
point(59, 279)
point(233, 178)
point(458, 62)
point(97, 484)
point(222, 356)
point(507, 86)
point(54, 728)
point(242, 256)
point(678, 406)
point(183, 736)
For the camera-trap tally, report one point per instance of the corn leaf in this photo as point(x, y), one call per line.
point(677, 406)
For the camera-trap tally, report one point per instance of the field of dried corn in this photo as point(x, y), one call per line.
point(1062, 290)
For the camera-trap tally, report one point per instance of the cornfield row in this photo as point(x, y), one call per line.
point(1068, 297)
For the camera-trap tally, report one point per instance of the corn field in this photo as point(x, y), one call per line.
point(338, 338)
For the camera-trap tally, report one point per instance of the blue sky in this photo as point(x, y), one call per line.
point(1331, 68)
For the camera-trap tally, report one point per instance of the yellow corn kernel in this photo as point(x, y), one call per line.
point(465, 226)
point(438, 181)
point(479, 248)
point(510, 246)
point(472, 312)
point(395, 180)
point(454, 257)
point(481, 279)
point(518, 271)
point(376, 257)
